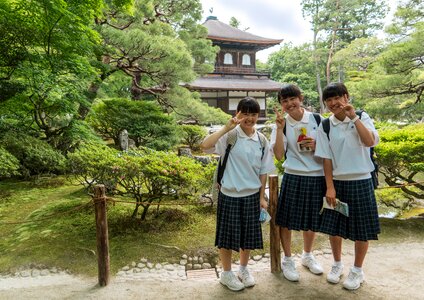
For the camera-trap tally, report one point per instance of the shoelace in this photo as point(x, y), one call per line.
point(353, 275)
point(335, 269)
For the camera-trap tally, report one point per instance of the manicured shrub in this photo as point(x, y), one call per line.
point(193, 135)
point(9, 165)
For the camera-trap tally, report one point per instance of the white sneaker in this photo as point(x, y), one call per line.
point(311, 263)
point(289, 270)
point(335, 273)
point(246, 278)
point(231, 281)
point(353, 280)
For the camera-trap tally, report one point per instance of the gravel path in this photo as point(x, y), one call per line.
point(393, 271)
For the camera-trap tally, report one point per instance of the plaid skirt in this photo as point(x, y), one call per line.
point(362, 223)
point(300, 201)
point(237, 223)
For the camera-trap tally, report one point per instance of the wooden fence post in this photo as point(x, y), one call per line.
point(274, 230)
point(103, 259)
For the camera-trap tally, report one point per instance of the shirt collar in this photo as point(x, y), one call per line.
point(241, 133)
point(336, 121)
point(305, 118)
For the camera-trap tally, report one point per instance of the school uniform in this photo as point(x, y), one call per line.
point(352, 180)
point(238, 225)
point(303, 183)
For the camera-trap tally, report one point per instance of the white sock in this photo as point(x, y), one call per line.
point(242, 268)
point(337, 263)
point(226, 272)
point(356, 269)
point(288, 258)
point(307, 254)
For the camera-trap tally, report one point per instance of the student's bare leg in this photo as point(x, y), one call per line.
point(225, 257)
point(244, 257)
point(285, 235)
point(361, 248)
point(336, 247)
point(308, 240)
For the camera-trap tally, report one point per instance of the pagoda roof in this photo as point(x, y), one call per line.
point(225, 83)
point(222, 33)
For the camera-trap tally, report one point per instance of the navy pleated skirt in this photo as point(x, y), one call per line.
point(237, 223)
point(300, 201)
point(363, 223)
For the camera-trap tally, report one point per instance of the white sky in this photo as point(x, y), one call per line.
point(275, 19)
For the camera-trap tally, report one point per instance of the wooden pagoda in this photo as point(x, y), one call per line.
point(235, 75)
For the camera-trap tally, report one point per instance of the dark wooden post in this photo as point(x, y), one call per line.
point(103, 259)
point(274, 229)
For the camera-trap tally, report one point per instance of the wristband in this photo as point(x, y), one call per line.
point(356, 118)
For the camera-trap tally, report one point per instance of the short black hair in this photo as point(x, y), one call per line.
point(248, 105)
point(289, 90)
point(334, 89)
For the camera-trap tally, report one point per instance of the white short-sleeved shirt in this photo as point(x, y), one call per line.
point(244, 164)
point(350, 157)
point(299, 163)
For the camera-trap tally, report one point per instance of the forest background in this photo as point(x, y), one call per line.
point(74, 74)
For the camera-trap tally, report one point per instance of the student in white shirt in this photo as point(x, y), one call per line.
point(347, 167)
point(303, 184)
point(242, 192)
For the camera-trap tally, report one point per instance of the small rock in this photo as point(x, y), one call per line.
point(197, 267)
point(200, 260)
point(149, 265)
point(195, 260)
point(183, 262)
point(25, 273)
point(190, 259)
point(44, 272)
point(158, 266)
point(184, 256)
point(126, 268)
point(206, 266)
point(257, 257)
point(181, 273)
point(121, 273)
point(133, 264)
point(35, 273)
point(53, 270)
point(169, 267)
point(267, 255)
point(141, 265)
point(143, 260)
point(189, 266)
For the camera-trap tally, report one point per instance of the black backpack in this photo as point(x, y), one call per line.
point(374, 174)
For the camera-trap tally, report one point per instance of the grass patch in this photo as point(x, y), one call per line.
point(68, 240)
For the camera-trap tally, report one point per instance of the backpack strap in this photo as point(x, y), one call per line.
point(326, 127)
point(231, 141)
point(262, 141)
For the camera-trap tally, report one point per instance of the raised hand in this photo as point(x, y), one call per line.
point(349, 110)
point(280, 121)
point(233, 122)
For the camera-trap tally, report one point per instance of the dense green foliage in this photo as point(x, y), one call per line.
point(35, 157)
point(9, 165)
point(144, 121)
point(400, 155)
point(145, 175)
point(193, 135)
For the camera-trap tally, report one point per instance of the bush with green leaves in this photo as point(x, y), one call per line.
point(92, 164)
point(145, 122)
point(400, 155)
point(9, 165)
point(35, 156)
point(193, 136)
point(151, 176)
